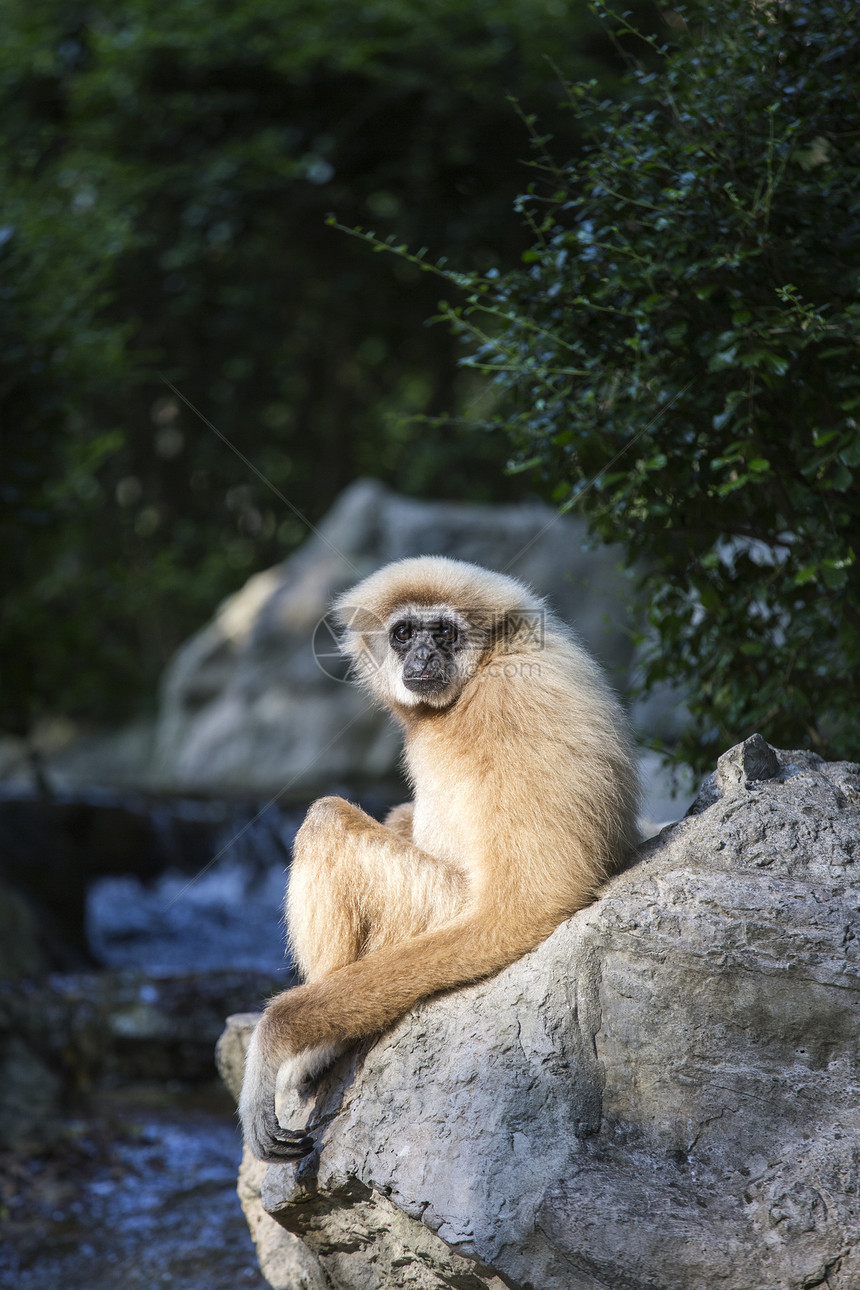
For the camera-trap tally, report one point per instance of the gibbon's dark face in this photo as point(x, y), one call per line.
point(426, 649)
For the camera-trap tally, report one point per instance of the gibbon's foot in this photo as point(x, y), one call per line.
point(301, 1071)
point(273, 1143)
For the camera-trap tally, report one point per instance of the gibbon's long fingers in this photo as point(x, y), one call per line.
point(365, 997)
point(263, 1132)
point(288, 1144)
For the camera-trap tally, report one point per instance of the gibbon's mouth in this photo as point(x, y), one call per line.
point(426, 684)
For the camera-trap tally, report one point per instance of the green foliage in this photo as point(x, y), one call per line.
point(166, 172)
point(679, 357)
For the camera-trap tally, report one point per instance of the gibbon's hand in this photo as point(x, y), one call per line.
point(260, 1125)
point(269, 1141)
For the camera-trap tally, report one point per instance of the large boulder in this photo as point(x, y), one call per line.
point(250, 704)
point(662, 1096)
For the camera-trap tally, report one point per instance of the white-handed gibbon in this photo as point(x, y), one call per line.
point(525, 800)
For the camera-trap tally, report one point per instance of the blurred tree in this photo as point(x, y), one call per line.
point(167, 171)
point(679, 357)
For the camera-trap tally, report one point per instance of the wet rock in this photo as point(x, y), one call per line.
point(665, 1095)
point(59, 912)
point(139, 1194)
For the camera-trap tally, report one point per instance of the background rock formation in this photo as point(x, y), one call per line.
point(250, 707)
point(246, 706)
point(663, 1096)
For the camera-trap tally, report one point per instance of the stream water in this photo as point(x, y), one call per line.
point(141, 1195)
point(140, 1190)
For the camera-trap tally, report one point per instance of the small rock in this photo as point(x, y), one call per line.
point(742, 765)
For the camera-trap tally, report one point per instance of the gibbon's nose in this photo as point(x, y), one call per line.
point(423, 664)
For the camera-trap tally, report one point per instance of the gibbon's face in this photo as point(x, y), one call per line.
point(429, 654)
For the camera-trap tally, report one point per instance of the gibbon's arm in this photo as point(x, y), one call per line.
point(364, 998)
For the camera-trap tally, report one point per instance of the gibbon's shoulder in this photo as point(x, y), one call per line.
point(436, 580)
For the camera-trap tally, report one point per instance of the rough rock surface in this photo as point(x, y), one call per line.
point(246, 706)
point(663, 1096)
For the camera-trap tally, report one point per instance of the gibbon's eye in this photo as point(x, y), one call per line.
point(446, 632)
point(401, 633)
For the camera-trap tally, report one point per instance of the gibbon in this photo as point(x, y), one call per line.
point(525, 800)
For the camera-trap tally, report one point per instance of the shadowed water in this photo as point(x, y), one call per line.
point(143, 1195)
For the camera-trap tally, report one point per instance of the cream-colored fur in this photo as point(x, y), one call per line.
point(525, 801)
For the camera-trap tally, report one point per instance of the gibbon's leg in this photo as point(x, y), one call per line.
point(399, 821)
point(356, 886)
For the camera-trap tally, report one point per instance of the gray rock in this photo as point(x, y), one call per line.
point(231, 1048)
point(250, 706)
point(285, 1260)
point(740, 767)
point(663, 1096)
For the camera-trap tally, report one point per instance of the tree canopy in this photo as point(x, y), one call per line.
point(679, 358)
point(166, 174)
